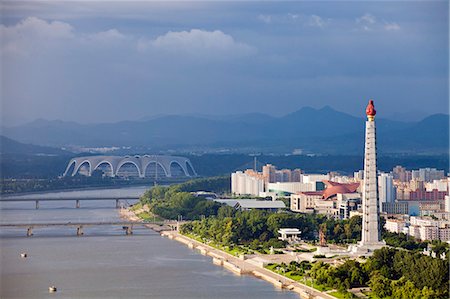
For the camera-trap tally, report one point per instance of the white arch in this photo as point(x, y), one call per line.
point(77, 168)
point(179, 164)
point(188, 163)
point(141, 163)
point(122, 163)
point(113, 174)
point(157, 163)
point(71, 162)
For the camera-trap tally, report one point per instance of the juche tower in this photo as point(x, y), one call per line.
point(371, 232)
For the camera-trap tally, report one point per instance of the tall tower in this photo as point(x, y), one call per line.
point(371, 232)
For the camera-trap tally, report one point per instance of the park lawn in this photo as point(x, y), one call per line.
point(337, 294)
point(136, 206)
point(235, 251)
point(298, 278)
point(146, 216)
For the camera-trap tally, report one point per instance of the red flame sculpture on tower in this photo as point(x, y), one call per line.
point(370, 111)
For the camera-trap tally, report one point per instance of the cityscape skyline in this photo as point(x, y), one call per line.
point(130, 61)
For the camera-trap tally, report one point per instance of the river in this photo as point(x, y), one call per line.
point(105, 263)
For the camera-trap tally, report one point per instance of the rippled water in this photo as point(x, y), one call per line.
point(104, 263)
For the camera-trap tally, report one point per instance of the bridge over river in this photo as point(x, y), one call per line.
point(127, 226)
point(77, 200)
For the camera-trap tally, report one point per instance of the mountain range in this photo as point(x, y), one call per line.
point(324, 131)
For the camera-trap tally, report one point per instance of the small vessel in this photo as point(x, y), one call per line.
point(52, 289)
point(23, 255)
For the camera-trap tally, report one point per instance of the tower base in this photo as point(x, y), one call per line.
point(366, 248)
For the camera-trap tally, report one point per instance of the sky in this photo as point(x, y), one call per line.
point(110, 61)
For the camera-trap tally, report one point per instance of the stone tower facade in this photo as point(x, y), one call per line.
point(371, 230)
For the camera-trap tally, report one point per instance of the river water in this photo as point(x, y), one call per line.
point(105, 263)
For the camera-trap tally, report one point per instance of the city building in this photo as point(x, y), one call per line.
point(269, 173)
point(304, 202)
point(447, 203)
point(247, 183)
point(439, 185)
point(336, 201)
point(358, 175)
point(386, 189)
point(289, 234)
point(395, 225)
point(401, 174)
point(250, 204)
point(428, 174)
point(399, 207)
point(427, 228)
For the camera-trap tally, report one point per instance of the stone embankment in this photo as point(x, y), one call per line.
point(242, 265)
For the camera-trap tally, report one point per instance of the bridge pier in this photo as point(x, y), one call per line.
point(29, 231)
point(80, 231)
point(37, 204)
point(77, 205)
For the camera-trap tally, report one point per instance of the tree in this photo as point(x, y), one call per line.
point(380, 285)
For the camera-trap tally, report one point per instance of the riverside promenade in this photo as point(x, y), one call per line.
point(237, 265)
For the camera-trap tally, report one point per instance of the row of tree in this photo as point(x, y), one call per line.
point(178, 200)
point(390, 273)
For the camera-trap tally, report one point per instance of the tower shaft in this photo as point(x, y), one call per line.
point(371, 233)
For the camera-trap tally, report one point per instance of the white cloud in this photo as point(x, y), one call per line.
point(316, 21)
point(392, 26)
point(366, 19)
point(106, 36)
point(196, 42)
point(265, 18)
point(17, 38)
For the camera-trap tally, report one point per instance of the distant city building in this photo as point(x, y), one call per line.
point(269, 173)
point(439, 185)
point(386, 189)
point(288, 188)
point(395, 225)
point(296, 175)
point(336, 201)
point(447, 203)
point(304, 202)
point(247, 183)
point(428, 174)
point(395, 208)
point(401, 174)
point(358, 175)
point(250, 204)
point(308, 178)
point(274, 183)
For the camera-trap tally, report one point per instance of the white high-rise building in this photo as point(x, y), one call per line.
point(371, 231)
point(386, 189)
point(246, 183)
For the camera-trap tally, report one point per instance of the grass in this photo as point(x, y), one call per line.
point(147, 216)
point(136, 206)
point(235, 250)
point(338, 294)
point(298, 278)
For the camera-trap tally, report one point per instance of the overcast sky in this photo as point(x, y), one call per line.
point(109, 61)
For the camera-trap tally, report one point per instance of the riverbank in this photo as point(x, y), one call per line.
point(244, 264)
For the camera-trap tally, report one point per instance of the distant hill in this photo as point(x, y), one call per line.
point(322, 130)
point(12, 147)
